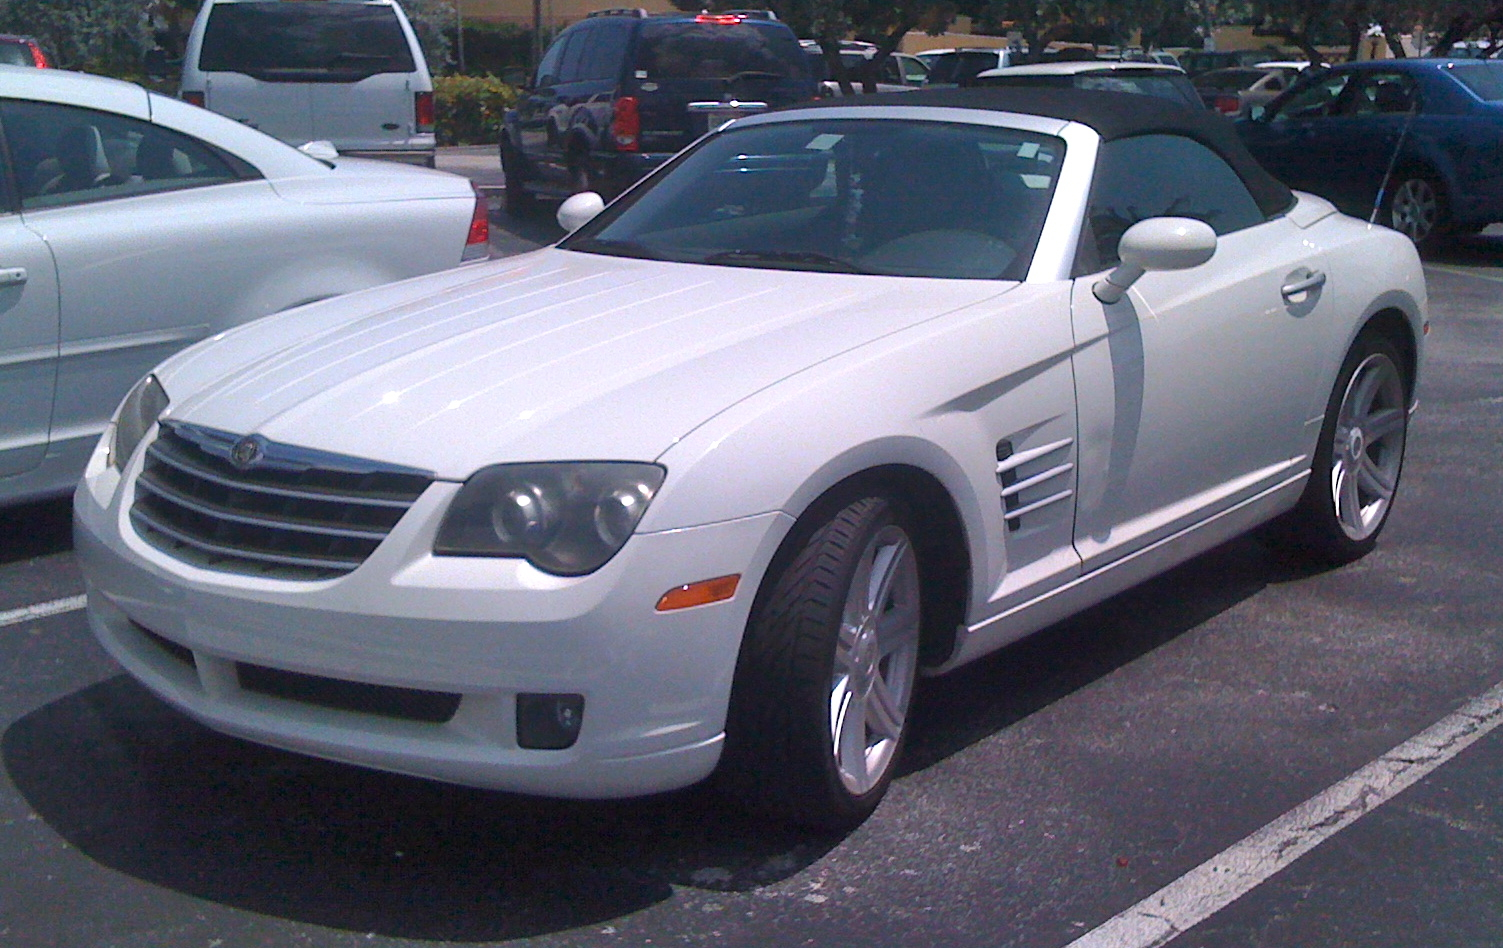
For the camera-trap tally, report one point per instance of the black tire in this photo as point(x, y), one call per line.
point(581, 179)
point(1416, 207)
point(808, 700)
point(1354, 477)
point(516, 200)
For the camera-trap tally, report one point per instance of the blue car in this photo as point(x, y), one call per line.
point(1418, 141)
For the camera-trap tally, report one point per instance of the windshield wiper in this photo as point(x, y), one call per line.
point(614, 248)
point(790, 259)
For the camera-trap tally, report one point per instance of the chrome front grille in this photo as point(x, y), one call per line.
point(266, 509)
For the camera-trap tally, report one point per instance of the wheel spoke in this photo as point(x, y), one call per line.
point(884, 716)
point(1348, 504)
point(1381, 424)
point(1374, 479)
point(850, 740)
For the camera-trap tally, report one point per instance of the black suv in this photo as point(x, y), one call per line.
point(619, 92)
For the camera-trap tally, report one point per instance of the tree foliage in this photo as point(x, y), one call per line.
point(105, 36)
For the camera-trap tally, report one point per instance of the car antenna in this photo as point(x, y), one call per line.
point(1393, 159)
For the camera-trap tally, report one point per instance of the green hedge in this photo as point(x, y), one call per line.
point(468, 109)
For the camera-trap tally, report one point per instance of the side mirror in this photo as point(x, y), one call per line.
point(1159, 243)
point(579, 210)
point(322, 149)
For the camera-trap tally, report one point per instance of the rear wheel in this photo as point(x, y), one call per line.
point(1355, 475)
point(819, 709)
point(1417, 208)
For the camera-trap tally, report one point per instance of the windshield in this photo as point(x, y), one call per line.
point(1483, 77)
point(305, 42)
point(905, 198)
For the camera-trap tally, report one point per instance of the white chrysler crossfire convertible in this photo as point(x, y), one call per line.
point(841, 395)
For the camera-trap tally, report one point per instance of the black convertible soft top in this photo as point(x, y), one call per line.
point(1112, 114)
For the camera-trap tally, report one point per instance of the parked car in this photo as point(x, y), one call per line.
point(959, 67)
point(619, 92)
point(1236, 90)
point(1196, 61)
point(1166, 82)
point(138, 224)
point(22, 51)
point(352, 74)
point(702, 488)
point(1412, 143)
point(899, 72)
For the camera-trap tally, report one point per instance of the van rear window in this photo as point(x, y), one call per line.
point(717, 51)
point(305, 42)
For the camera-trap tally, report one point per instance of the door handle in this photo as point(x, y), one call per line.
point(1303, 281)
point(12, 276)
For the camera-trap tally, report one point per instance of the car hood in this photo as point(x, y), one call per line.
point(554, 355)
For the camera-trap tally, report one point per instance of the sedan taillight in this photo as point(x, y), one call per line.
point(477, 244)
point(424, 111)
point(1228, 104)
point(38, 58)
point(626, 124)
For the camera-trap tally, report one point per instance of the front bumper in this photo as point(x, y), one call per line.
point(655, 685)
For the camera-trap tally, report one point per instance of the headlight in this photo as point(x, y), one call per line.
point(140, 410)
point(567, 518)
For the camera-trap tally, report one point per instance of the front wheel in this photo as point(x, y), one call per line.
point(819, 707)
point(515, 199)
point(1355, 474)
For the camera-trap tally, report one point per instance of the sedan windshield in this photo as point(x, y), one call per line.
point(904, 198)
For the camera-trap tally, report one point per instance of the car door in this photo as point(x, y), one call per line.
point(1195, 390)
point(28, 343)
point(147, 230)
point(538, 110)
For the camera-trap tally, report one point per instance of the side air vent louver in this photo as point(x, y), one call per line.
point(1039, 470)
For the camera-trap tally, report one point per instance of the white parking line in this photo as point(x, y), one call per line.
point(1224, 878)
point(42, 610)
point(1462, 271)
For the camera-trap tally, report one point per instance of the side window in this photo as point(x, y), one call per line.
point(64, 155)
point(571, 65)
point(1159, 176)
point(548, 68)
point(1316, 99)
point(1382, 92)
point(607, 53)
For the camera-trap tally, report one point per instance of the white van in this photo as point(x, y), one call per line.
point(347, 71)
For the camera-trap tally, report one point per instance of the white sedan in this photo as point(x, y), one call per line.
point(706, 486)
point(135, 224)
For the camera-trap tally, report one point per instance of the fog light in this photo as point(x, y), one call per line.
point(549, 722)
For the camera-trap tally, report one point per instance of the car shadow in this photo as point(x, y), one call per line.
point(29, 531)
point(139, 788)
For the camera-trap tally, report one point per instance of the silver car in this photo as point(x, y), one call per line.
point(137, 224)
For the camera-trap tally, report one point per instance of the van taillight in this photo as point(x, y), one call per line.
point(626, 124)
point(424, 111)
point(195, 98)
point(477, 245)
point(39, 58)
point(1228, 104)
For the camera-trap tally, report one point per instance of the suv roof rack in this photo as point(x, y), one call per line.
point(752, 14)
point(618, 11)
